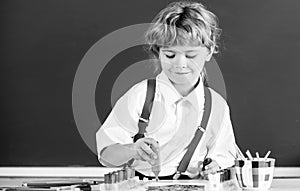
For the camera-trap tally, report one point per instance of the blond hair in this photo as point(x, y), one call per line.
point(183, 23)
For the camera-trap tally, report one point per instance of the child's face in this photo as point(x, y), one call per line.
point(183, 64)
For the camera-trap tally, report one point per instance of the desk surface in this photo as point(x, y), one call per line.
point(286, 184)
point(278, 184)
point(285, 179)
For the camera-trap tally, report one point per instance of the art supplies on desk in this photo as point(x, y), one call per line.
point(56, 185)
point(123, 179)
point(254, 172)
point(24, 188)
point(61, 188)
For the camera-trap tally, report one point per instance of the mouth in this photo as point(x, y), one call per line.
point(181, 72)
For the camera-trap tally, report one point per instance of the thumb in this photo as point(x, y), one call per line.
point(200, 165)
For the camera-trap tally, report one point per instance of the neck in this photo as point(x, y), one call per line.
point(184, 90)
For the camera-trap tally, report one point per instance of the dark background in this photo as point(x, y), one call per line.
point(43, 42)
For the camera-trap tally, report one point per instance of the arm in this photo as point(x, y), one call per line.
point(222, 146)
point(114, 138)
point(119, 154)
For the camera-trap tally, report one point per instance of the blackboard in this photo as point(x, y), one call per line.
point(44, 42)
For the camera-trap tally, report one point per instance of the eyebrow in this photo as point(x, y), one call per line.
point(174, 51)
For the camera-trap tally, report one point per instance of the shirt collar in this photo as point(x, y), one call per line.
point(172, 96)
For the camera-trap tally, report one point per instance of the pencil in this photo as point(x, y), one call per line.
point(267, 155)
point(239, 152)
point(249, 155)
point(235, 157)
point(257, 155)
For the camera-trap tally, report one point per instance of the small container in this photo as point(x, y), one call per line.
point(113, 177)
point(255, 174)
point(223, 180)
point(107, 178)
point(121, 175)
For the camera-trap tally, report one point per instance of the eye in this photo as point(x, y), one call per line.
point(170, 56)
point(190, 56)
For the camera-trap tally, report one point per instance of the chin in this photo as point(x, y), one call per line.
point(182, 81)
point(186, 80)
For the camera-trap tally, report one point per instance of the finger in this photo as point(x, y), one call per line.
point(154, 146)
point(213, 164)
point(149, 151)
point(200, 166)
point(152, 142)
point(209, 166)
point(143, 155)
point(211, 169)
point(143, 150)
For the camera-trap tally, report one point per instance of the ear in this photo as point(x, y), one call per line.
point(210, 53)
point(158, 54)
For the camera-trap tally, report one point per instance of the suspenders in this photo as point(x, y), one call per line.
point(144, 119)
point(197, 137)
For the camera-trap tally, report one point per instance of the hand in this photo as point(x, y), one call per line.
point(145, 149)
point(210, 168)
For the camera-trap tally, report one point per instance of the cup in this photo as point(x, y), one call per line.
point(255, 174)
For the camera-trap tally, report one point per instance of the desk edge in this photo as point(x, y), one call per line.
point(280, 172)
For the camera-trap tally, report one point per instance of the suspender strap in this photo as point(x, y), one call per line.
point(144, 118)
point(197, 137)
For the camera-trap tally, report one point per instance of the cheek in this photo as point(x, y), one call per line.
point(165, 64)
point(200, 63)
point(196, 66)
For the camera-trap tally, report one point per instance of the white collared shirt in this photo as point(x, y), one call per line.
point(173, 122)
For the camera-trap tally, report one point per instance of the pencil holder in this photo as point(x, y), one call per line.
point(255, 174)
point(223, 180)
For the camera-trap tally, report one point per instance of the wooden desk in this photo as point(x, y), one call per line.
point(286, 179)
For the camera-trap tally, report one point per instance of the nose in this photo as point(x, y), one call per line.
point(180, 61)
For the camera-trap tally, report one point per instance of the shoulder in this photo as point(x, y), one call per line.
point(217, 98)
point(138, 88)
point(220, 113)
point(133, 98)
